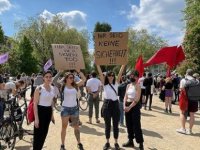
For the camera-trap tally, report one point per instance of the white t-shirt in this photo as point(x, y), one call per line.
point(131, 92)
point(140, 81)
point(183, 81)
point(46, 97)
point(109, 93)
point(93, 84)
point(70, 96)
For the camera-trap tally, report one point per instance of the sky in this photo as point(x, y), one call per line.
point(161, 17)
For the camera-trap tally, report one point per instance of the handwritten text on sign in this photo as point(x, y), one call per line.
point(67, 56)
point(111, 48)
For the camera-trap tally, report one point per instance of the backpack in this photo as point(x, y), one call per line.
point(192, 88)
point(30, 109)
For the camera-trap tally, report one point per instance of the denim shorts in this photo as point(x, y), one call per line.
point(69, 111)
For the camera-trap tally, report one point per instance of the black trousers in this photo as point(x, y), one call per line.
point(133, 123)
point(111, 111)
point(44, 114)
point(149, 96)
point(176, 93)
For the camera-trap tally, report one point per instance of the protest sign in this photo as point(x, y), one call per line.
point(68, 56)
point(111, 48)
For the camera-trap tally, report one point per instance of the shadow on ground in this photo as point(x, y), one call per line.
point(151, 133)
point(23, 147)
point(147, 115)
point(88, 130)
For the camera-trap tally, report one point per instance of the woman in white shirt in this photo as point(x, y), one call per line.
point(43, 111)
point(111, 105)
point(70, 108)
point(132, 107)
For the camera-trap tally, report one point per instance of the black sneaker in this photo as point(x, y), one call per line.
point(141, 147)
point(117, 146)
point(106, 146)
point(128, 144)
point(170, 111)
point(62, 147)
point(80, 146)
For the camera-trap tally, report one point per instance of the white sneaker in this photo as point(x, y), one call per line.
point(181, 130)
point(189, 132)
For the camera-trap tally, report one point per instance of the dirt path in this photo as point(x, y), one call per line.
point(158, 129)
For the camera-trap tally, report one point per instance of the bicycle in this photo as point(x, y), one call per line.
point(83, 102)
point(11, 127)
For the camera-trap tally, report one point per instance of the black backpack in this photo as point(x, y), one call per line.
point(192, 89)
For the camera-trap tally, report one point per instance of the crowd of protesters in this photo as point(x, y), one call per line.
point(124, 96)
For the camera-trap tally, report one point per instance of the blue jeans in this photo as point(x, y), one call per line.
point(121, 107)
point(69, 111)
point(1, 110)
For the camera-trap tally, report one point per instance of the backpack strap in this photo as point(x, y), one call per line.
point(113, 89)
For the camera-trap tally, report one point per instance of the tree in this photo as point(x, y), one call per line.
point(42, 34)
point(140, 42)
point(1, 35)
point(102, 27)
point(28, 64)
point(192, 36)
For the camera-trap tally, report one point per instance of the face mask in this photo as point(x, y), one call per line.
point(132, 79)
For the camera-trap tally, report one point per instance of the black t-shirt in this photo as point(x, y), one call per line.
point(168, 85)
point(122, 91)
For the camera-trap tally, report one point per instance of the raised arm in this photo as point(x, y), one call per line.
point(83, 78)
point(120, 73)
point(55, 80)
point(102, 78)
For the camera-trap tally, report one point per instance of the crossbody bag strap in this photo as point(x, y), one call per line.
point(113, 89)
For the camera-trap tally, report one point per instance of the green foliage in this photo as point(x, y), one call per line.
point(102, 27)
point(142, 42)
point(28, 64)
point(42, 34)
point(1, 35)
point(192, 36)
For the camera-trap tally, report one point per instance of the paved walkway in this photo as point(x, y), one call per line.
point(158, 129)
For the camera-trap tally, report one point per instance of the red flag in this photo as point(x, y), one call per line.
point(139, 66)
point(165, 54)
point(180, 55)
point(171, 55)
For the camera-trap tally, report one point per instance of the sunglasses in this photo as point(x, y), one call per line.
point(70, 77)
point(111, 75)
point(48, 76)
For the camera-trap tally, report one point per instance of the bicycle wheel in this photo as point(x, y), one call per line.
point(57, 104)
point(7, 135)
point(83, 103)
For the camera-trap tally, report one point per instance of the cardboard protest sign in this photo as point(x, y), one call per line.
point(67, 57)
point(111, 48)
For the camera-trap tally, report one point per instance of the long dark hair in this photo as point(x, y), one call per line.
point(73, 83)
point(106, 78)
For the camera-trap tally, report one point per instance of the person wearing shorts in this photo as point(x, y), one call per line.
point(70, 108)
point(168, 94)
point(192, 107)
